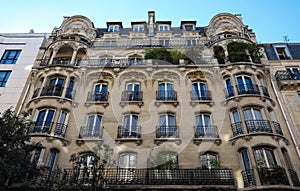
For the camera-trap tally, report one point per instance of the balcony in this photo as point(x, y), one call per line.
point(167, 132)
point(52, 91)
point(247, 89)
point(277, 128)
point(294, 177)
point(248, 178)
point(60, 130)
point(168, 95)
point(58, 62)
point(206, 132)
point(258, 126)
point(273, 176)
point(131, 178)
point(98, 96)
point(132, 96)
point(41, 127)
point(287, 80)
point(126, 132)
point(204, 95)
point(237, 128)
point(90, 132)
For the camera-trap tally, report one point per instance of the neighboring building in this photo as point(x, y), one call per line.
point(18, 52)
point(208, 121)
point(284, 60)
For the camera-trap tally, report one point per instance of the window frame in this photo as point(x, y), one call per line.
point(6, 75)
point(163, 27)
point(209, 156)
point(138, 28)
point(286, 53)
point(7, 59)
point(266, 157)
point(113, 28)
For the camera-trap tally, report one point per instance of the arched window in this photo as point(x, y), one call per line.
point(236, 123)
point(87, 160)
point(246, 85)
point(200, 92)
point(255, 120)
point(166, 91)
point(43, 121)
point(93, 128)
point(100, 92)
point(248, 174)
point(204, 127)
point(209, 160)
point(132, 92)
point(130, 127)
point(52, 158)
point(228, 88)
point(54, 87)
point(265, 157)
point(167, 126)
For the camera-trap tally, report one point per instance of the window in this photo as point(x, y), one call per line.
point(209, 160)
point(164, 43)
point(93, 128)
point(204, 127)
point(52, 159)
point(163, 27)
point(265, 157)
point(248, 174)
point(294, 73)
point(236, 123)
point(191, 42)
point(246, 85)
point(255, 121)
point(36, 156)
point(132, 92)
point(10, 56)
point(134, 60)
point(100, 92)
point(166, 160)
point(167, 126)
point(54, 87)
point(61, 126)
point(189, 27)
point(199, 91)
point(127, 166)
point(4, 75)
point(70, 90)
point(166, 91)
point(129, 128)
point(87, 160)
point(43, 121)
point(138, 28)
point(113, 28)
point(229, 88)
point(282, 53)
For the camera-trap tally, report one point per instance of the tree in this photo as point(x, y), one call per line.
point(14, 148)
point(163, 53)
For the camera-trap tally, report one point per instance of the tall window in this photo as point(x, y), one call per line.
point(52, 159)
point(236, 124)
point(166, 91)
point(10, 56)
point(36, 155)
point(204, 127)
point(61, 125)
point(100, 92)
point(167, 126)
point(43, 121)
point(54, 88)
point(93, 128)
point(200, 91)
point(132, 92)
point(248, 174)
point(127, 166)
point(209, 160)
point(130, 128)
point(70, 90)
point(245, 85)
point(255, 120)
point(265, 157)
point(4, 75)
point(229, 88)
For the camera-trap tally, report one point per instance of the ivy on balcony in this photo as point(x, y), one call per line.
point(243, 52)
point(163, 53)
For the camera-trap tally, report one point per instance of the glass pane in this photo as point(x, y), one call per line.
point(162, 120)
point(49, 117)
point(137, 87)
point(257, 114)
point(270, 158)
point(248, 114)
point(134, 123)
point(206, 120)
point(236, 116)
point(97, 88)
point(129, 87)
point(171, 120)
point(90, 122)
point(127, 122)
point(98, 120)
point(246, 160)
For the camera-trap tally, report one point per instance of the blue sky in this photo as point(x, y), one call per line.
point(269, 19)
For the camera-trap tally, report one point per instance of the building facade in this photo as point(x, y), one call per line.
point(206, 120)
point(18, 52)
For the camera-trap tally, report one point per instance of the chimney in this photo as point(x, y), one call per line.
point(151, 21)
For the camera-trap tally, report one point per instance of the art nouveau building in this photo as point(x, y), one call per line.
point(18, 52)
point(213, 116)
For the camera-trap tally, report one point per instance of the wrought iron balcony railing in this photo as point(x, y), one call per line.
point(247, 89)
point(129, 132)
point(167, 95)
point(167, 132)
point(58, 62)
point(206, 132)
point(294, 177)
point(273, 176)
point(52, 91)
point(132, 96)
point(98, 96)
point(248, 177)
point(277, 127)
point(237, 128)
point(91, 132)
point(255, 126)
point(204, 95)
point(60, 130)
point(116, 177)
point(41, 127)
point(285, 75)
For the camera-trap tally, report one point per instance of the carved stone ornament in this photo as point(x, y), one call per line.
point(132, 76)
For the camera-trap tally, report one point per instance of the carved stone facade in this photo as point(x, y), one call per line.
point(93, 85)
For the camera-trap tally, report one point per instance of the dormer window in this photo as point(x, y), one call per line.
point(282, 52)
point(113, 28)
point(138, 28)
point(163, 27)
point(189, 27)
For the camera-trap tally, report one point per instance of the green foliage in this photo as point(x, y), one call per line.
point(216, 164)
point(240, 52)
point(163, 53)
point(14, 163)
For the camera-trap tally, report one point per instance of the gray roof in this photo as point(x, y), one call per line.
point(293, 48)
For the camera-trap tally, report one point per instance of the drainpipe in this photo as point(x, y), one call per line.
point(285, 118)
